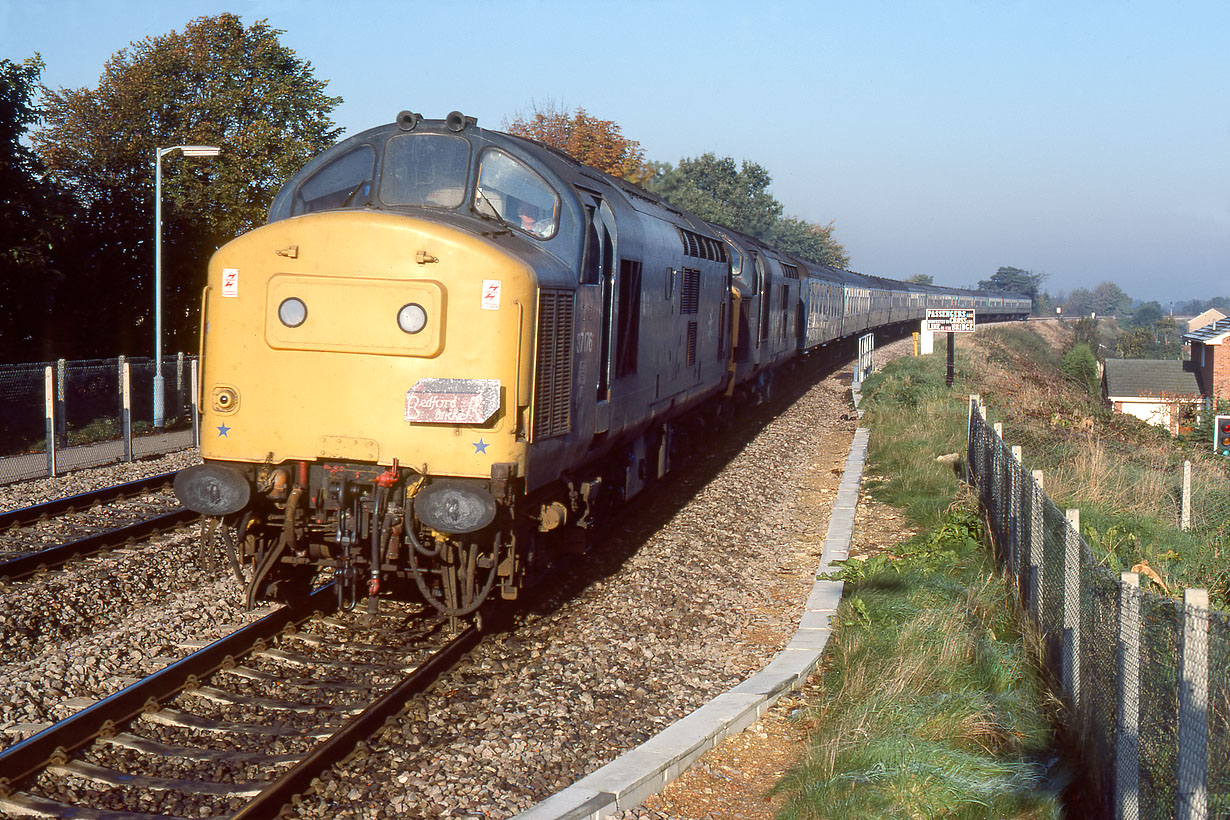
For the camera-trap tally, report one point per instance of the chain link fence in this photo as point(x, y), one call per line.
point(1144, 676)
point(65, 415)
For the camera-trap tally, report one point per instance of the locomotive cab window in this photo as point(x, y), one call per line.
point(509, 191)
point(427, 170)
point(345, 181)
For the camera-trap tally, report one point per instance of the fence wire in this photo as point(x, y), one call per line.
point(1143, 675)
point(87, 414)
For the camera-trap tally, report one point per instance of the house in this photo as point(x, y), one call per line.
point(1207, 318)
point(1162, 392)
point(1210, 357)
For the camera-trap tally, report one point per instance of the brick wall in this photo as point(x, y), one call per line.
point(1219, 367)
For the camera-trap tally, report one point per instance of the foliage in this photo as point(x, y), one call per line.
point(216, 83)
point(1081, 366)
point(921, 279)
point(1109, 299)
point(1014, 280)
point(1086, 333)
point(718, 190)
point(33, 217)
point(1147, 314)
point(587, 139)
point(1079, 302)
point(810, 241)
point(928, 706)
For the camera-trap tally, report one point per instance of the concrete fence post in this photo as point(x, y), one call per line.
point(180, 404)
point(126, 409)
point(49, 413)
point(1185, 518)
point(1127, 736)
point(1015, 506)
point(196, 409)
point(1037, 544)
point(61, 399)
point(1072, 608)
point(1192, 797)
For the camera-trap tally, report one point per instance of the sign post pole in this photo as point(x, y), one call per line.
point(952, 358)
point(950, 321)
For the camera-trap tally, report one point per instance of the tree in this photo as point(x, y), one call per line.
point(921, 279)
point(1014, 280)
point(1137, 343)
point(587, 139)
point(737, 196)
point(1081, 366)
point(1147, 315)
point(810, 241)
point(1109, 299)
point(32, 221)
point(1079, 302)
point(718, 190)
point(216, 83)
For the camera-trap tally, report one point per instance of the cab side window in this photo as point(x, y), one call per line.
point(511, 192)
point(345, 181)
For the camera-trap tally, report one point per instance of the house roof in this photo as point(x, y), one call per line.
point(1207, 318)
point(1209, 334)
point(1150, 378)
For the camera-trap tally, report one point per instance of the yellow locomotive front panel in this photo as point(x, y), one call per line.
point(327, 336)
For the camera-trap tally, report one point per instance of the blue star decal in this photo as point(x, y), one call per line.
point(223, 430)
point(480, 446)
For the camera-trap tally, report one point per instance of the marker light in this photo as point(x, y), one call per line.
point(412, 318)
point(292, 312)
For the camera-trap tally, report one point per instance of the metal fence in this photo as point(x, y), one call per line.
point(1143, 675)
point(66, 415)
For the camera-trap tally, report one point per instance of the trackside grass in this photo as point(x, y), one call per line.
point(930, 706)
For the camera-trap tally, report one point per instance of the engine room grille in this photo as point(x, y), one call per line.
point(691, 343)
point(689, 291)
point(553, 369)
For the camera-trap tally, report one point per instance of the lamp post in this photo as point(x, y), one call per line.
point(159, 153)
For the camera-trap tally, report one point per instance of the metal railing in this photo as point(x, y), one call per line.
point(65, 415)
point(1143, 675)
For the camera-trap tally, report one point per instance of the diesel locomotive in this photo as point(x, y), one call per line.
point(451, 351)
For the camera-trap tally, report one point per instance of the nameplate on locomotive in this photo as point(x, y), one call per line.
point(453, 401)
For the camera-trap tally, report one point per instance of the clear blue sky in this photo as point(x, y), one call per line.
point(1086, 140)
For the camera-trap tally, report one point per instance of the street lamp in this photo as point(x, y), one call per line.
point(159, 153)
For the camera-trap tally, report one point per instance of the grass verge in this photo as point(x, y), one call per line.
point(929, 705)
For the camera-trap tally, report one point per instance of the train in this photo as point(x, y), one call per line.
point(451, 353)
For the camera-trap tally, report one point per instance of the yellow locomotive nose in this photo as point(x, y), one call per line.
point(389, 317)
point(379, 339)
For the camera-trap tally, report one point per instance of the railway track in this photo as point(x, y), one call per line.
point(25, 532)
point(15, 565)
point(82, 501)
point(237, 728)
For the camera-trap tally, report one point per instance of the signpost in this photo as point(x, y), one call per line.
point(950, 321)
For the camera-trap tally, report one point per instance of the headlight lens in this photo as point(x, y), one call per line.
point(292, 312)
point(412, 318)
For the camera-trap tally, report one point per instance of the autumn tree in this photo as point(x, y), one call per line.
point(217, 82)
point(737, 195)
point(594, 142)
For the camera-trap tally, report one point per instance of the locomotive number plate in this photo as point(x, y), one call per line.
point(453, 401)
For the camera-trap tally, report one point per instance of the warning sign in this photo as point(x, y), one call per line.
point(950, 320)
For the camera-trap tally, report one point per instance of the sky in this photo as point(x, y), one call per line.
point(1088, 141)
